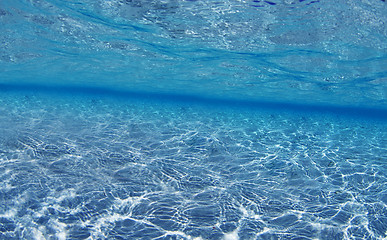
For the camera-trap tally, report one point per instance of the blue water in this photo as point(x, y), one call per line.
point(125, 119)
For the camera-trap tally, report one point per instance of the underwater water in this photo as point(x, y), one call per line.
point(166, 119)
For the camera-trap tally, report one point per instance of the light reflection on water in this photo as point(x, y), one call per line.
point(290, 51)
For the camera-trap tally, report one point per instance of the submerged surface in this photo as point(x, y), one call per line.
point(97, 166)
point(153, 119)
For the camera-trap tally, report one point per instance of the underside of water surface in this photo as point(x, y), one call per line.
point(126, 119)
point(319, 52)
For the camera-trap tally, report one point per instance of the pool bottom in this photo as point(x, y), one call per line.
point(78, 167)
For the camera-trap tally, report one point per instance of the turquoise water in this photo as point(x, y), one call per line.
point(193, 119)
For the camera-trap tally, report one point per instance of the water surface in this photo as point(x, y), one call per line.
point(193, 119)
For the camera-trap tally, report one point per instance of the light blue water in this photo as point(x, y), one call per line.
point(125, 119)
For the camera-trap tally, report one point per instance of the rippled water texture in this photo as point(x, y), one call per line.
point(321, 52)
point(167, 119)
